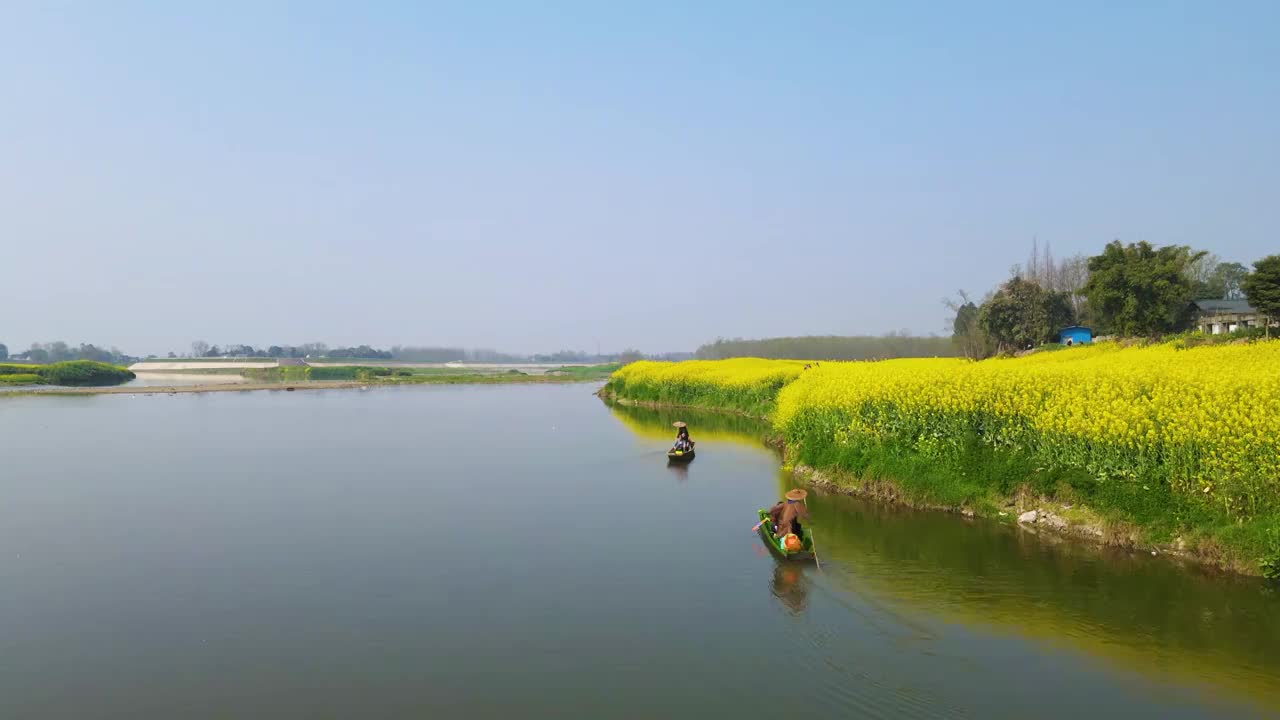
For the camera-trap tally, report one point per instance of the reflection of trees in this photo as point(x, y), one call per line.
point(790, 586)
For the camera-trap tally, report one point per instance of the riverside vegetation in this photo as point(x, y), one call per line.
point(1153, 445)
point(72, 372)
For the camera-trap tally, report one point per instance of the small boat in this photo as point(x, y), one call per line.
point(674, 455)
point(775, 544)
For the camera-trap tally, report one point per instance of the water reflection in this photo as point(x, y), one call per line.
point(1145, 614)
point(679, 469)
point(790, 586)
point(715, 427)
point(1149, 615)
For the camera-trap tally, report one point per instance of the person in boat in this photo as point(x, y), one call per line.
point(683, 443)
point(787, 514)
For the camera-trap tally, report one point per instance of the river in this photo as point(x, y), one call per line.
point(525, 551)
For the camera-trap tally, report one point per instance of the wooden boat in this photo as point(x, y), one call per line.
point(674, 455)
point(775, 544)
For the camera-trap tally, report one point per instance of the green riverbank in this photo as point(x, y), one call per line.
point(73, 373)
point(976, 479)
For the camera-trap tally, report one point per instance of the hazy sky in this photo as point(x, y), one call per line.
point(532, 176)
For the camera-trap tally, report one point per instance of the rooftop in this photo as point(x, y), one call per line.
point(1224, 306)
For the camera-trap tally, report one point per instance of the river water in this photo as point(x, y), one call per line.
point(525, 551)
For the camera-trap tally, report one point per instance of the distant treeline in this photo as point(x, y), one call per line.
point(830, 347)
point(58, 351)
point(408, 353)
point(1127, 290)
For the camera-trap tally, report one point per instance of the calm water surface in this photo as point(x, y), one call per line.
point(525, 551)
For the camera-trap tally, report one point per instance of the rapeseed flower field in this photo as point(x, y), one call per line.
point(1198, 427)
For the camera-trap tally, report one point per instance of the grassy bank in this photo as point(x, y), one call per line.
point(1156, 446)
point(81, 373)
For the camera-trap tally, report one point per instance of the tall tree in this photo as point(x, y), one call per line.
point(1262, 288)
point(1140, 290)
point(4, 351)
point(199, 348)
point(1203, 273)
point(1230, 278)
point(1021, 314)
point(966, 334)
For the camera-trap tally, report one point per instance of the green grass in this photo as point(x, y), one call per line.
point(973, 474)
point(756, 401)
point(72, 372)
point(587, 372)
point(20, 379)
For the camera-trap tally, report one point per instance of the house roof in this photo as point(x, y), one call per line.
point(1075, 327)
point(1224, 306)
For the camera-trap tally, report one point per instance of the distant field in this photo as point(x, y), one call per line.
point(200, 364)
point(222, 364)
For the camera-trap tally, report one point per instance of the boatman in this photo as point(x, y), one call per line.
point(683, 443)
point(786, 515)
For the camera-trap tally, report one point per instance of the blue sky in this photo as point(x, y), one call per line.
point(532, 176)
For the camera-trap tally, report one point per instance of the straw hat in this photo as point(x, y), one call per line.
point(678, 423)
point(796, 494)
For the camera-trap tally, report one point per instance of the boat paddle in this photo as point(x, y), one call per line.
point(814, 545)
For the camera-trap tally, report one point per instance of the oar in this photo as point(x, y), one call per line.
point(815, 550)
point(757, 527)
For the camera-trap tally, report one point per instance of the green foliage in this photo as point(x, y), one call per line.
point(1022, 315)
point(967, 333)
point(20, 379)
point(1262, 288)
point(1194, 338)
point(1271, 560)
point(337, 372)
point(829, 347)
point(587, 372)
point(84, 373)
point(1139, 290)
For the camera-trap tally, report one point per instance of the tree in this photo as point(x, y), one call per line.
point(966, 334)
point(172, 355)
point(199, 348)
point(214, 352)
point(58, 351)
point(38, 354)
point(1021, 315)
point(1140, 290)
point(1202, 272)
point(1262, 288)
point(4, 351)
point(1230, 277)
